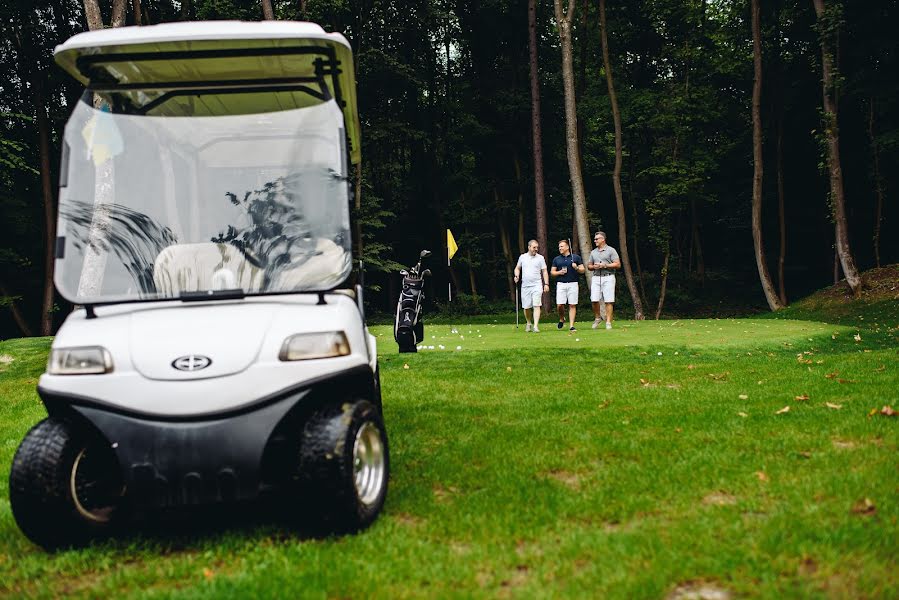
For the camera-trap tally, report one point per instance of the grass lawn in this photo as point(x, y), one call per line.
point(631, 463)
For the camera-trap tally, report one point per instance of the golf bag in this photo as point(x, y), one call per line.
point(408, 328)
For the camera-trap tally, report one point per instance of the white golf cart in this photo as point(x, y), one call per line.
point(219, 354)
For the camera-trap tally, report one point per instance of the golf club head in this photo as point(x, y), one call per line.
point(425, 253)
point(426, 273)
point(404, 272)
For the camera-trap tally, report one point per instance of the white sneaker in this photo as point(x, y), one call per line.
point(595, 323)
point(527, 327)
point(608, 325)
point(536, 329)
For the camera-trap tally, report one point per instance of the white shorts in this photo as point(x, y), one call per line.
point(566, 293)
point(531, 296)
point(603, 288)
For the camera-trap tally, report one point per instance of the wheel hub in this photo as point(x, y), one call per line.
point(369, 464)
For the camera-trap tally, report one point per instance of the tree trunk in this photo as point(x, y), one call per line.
point(93, 15)
point(185, 10)
point(49, 210)
point(563, 20)
point(506, 245)
point(357, 204)
point(267, 13)
point(303, 10)
point(119, 10)
point(135, 8)
point(636, 220)
point(471, 279)
point(781, 282)
point(878, 184)
point(664, 285)
point(616, 173)
point(537, 136)
point(764, 276)
point(21, 323)
point(831, 129)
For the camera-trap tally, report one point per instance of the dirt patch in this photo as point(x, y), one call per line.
point(808, 567)
point(844, 444)
point(699, 591)
point(407, 520)
point(518, 578)
point(719, 499)
point(877, 285)
point(572, 480)
point(445, 494)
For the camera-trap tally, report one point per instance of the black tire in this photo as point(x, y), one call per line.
point(328, 480)
point(65, 486)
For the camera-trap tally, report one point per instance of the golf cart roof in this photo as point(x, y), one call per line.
point(159, 69)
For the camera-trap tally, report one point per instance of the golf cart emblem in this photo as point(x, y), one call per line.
point(191, 362)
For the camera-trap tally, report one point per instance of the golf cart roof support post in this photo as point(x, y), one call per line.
point(321, 299)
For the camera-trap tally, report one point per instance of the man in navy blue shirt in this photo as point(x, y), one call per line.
point(566, 268)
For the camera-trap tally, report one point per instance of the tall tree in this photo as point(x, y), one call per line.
point(267, 13)
point(765, 277)
point(564, 18)
point(536, 134)
point(616, 173)
point(829, 21)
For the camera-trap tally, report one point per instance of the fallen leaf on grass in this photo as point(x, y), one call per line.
point(743, 397)
point(805, 454)
point(888, 411)
point(832, 375)
point(761, 475)
point(605, 404)
point(864, 507)
point(833, 406)
point(802, 397)
point(691, 367)
point(406, 365)
point(857, 337)
point(719, 376)
point(208, 574)
point(742, 414)
point(880, 368)
point(508, 369)
point(785, 409)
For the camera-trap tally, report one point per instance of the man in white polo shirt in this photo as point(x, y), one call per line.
point(531, 271)
point(603, 262)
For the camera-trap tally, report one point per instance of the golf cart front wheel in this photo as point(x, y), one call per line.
point(64, 485)
point(345, 464)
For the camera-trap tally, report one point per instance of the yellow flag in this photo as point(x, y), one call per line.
point(451, 246)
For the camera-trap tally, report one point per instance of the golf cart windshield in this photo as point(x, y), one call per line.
point(154, 207)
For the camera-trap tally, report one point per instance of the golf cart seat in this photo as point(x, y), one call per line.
point(213, 266)
point(204, 266)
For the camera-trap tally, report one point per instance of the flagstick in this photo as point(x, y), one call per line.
point(449, 284)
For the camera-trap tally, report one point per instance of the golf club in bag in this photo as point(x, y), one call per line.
point(408, 328)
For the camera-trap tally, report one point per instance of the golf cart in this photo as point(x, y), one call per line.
point(219, 354)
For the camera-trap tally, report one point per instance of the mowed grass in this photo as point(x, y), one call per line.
point(612, 464)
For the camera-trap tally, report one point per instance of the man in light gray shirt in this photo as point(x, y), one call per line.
point(531, 271)
point(604, 261)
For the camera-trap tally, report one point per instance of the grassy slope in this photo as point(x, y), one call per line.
point(546, 465)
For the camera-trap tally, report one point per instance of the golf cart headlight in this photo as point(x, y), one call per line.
point(304, 346)
point(88, 360)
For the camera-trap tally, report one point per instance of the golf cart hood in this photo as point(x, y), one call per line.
point(155, 69)
point(239, 345)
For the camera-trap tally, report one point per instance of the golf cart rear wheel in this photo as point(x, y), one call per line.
point(64, 485)
point(345, 464)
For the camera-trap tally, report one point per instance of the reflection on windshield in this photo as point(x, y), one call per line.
point(158, 206)
point(135, 238)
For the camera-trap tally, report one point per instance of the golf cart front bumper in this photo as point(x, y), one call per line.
point(215, 458)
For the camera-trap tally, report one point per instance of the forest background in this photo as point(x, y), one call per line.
point(452, 95)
